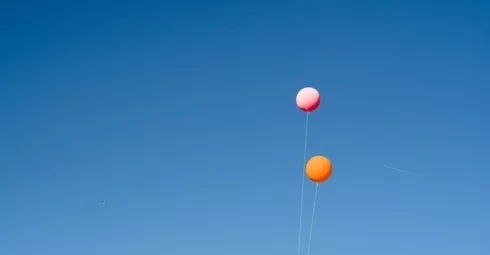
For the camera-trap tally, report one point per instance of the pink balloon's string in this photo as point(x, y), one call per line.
point(312, 219)
point(303, 184)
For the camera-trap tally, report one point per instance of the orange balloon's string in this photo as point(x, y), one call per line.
point(303, 184)
point(312, 219)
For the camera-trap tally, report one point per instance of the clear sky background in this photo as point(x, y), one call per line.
point(181, 116)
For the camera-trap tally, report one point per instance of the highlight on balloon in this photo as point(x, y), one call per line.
point(308, 99)
point(319, 169)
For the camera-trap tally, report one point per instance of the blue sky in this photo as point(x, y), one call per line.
point(181, 116)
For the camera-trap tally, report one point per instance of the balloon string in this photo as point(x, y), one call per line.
point(312, 219)
point(303, 184)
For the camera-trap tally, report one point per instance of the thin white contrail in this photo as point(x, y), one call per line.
point(402, 171)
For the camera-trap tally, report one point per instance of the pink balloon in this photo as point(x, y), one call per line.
point(308, 99)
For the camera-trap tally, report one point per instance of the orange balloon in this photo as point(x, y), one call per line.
point(319, 169)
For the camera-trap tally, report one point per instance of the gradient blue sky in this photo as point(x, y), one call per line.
point(181, 115)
